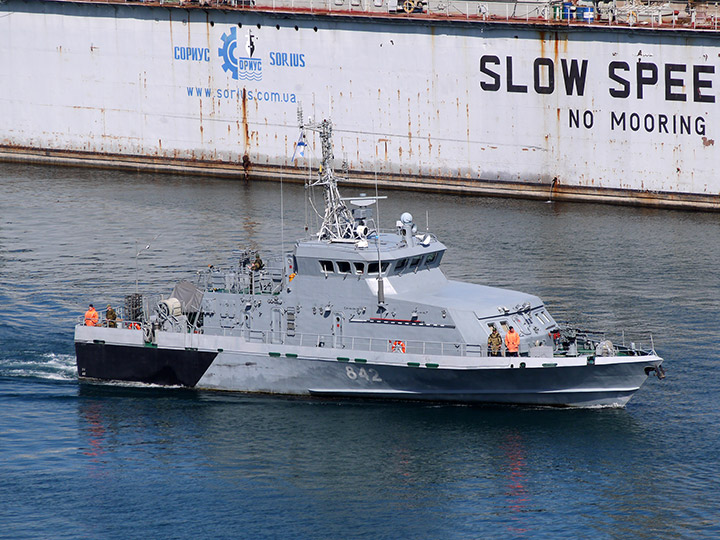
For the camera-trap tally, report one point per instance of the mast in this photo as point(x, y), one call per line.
point(338, 222)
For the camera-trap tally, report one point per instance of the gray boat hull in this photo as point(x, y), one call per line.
point(338, 373)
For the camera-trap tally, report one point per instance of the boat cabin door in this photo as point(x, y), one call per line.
point(337, 330)
point(276, 326)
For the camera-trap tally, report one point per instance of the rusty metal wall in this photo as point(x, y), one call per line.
point(505, 104)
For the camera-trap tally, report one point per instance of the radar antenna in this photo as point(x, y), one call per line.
point(338, 223)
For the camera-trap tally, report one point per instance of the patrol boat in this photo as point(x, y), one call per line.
point(357, 312)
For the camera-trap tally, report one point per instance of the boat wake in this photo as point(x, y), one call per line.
point(60, 367)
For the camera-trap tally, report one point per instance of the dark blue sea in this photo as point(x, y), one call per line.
point(92, 461)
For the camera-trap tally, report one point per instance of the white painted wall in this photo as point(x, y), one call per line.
point(404, 97)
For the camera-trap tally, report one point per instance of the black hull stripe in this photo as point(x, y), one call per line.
point(167, 367)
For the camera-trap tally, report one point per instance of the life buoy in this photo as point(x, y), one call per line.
point(398, 346)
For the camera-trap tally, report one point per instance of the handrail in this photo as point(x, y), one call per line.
point(586, 347)
point(629, 13)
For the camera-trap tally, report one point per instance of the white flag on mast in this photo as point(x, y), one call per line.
point(299, 147)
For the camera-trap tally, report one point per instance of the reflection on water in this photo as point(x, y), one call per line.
point(517, 495)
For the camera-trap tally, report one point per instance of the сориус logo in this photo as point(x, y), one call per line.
point(245, 68)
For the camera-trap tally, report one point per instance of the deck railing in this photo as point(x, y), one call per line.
point(700, 15)
point(586, 342)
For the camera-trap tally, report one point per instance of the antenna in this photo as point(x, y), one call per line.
point(137, 254)
point(380, 282)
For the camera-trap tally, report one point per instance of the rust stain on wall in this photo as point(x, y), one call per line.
point(246, 128)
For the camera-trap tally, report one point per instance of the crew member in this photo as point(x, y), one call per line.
point(91, 316)
point(494, 342)
point(111, 317)
point(512, 342)
point(258, 264)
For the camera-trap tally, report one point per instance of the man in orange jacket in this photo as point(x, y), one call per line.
point(91, 316)
point(512, 342)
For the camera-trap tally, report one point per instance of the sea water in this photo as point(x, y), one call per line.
point(81, 460)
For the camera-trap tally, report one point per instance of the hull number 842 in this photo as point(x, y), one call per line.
point(361, 373)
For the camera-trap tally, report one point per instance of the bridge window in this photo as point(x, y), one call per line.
point(373, 267)
point(414, 262)
point(327, 267)
point(359, 268)
point(430, 258)
point(343, 267)
point(401, 264)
